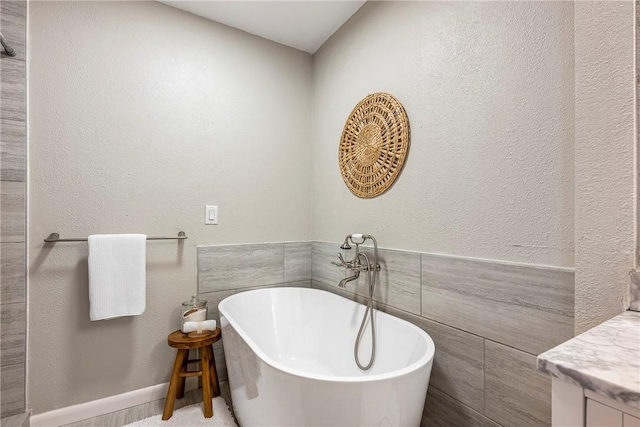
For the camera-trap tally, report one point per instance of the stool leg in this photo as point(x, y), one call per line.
point(214, 374)
point(173, 385)
point(206, 382)
point(185, 368)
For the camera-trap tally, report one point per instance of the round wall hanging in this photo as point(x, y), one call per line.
point(374, 145)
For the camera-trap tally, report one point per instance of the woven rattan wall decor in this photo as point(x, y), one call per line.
point(374, 145)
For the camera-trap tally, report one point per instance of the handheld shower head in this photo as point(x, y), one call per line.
point(346, 244)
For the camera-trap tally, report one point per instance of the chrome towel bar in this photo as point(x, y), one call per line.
point(55, 237)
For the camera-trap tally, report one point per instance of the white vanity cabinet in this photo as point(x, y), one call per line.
point(600, 415)
point(573, 406)
point(595, 376)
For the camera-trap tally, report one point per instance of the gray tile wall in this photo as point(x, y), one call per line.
point(13, 161)
point(227, 269)
point(20, 420)
point(322, 254)
point(459, 368)
point(442, 410)
point(523, 306)
point(511, 379)
point(488, 319)
point(239, 266)
point(399, 279)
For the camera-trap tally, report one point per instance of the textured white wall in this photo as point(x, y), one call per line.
point(140, 114)
point(488, 87)
point(605, 229)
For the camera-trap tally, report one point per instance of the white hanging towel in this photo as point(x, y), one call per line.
point(117, 275)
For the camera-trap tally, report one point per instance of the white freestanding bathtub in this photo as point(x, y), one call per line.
point(289, 354)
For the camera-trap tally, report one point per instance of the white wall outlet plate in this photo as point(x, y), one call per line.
point(211, 215)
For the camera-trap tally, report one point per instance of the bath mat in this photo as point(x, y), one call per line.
point(192, 415)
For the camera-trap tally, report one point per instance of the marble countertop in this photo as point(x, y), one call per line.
point(604, 359)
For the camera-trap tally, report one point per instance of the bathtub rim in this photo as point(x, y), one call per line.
point(425, 360)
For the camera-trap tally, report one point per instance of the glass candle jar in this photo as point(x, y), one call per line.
point(193, 310)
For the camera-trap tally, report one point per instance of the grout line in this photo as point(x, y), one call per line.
point(484, 376)
point(311, 266)
point(512, 347)
point(461, 330)
point(13, 180)
point(420, 285)
point(459, 402)
point(23, 363)
point(12, 303)
point(197, 271)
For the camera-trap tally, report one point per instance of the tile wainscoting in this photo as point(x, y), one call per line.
point(634, 291)
point(227, 269)
point(13, 161)
point(488, 319)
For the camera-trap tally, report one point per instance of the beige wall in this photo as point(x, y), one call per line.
point(605, 229)
point(141, 114)
point(488, 87)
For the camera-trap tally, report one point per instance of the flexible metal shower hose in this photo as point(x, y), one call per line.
point(371, 279)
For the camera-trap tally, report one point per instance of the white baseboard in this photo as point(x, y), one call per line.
point(95, 408)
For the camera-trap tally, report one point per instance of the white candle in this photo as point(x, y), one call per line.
point(199, 315)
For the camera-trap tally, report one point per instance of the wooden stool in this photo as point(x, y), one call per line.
point(184, 343)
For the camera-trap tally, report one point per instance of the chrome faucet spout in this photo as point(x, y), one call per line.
point(343, 282)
